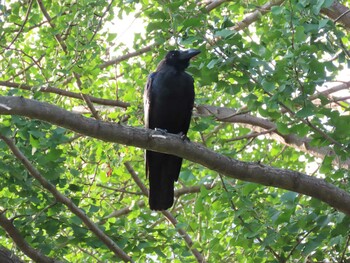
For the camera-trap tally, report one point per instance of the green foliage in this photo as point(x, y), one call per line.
point(270, 70)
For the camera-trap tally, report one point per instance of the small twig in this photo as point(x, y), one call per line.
point(298, 242)
point(128, 55)
point(64, 48)
point(22, 26)
point(342, 259)
point(234, 208)
point(251, 135)
point(167, 214)
point(66, 93)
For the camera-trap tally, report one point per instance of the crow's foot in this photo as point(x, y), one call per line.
point(163, 131)
point(183, 136)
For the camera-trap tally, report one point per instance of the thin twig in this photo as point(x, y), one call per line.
point(22, 26)
point(168, 215)
point(251, 135)
point(342, 259)
point(67, 93)
point(60, 41)
point(235, 209)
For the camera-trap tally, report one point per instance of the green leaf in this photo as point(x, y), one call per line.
point(300, 35)
point(289, 197)
point(212, 63)
point(198, 206)
point(277, 10)
point(322, 23)
point(225, 33)
point(305, 111)
point(202, 126)
point(282, 128)
point(268, 86)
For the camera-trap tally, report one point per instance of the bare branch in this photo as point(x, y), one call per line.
point(255, 16)
point(186, 237)
point(336, 11)
point(66, 93)
point(214, 4)
point(127, 56)
point(65, 200)
point(341, 86)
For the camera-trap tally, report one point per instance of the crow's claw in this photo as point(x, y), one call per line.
point(163, 131)
point(183, 136)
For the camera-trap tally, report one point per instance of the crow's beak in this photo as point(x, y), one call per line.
point(188, 54)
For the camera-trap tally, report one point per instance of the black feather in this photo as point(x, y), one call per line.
point(168, 103)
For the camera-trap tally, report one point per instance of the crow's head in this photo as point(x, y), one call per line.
point(180, 59)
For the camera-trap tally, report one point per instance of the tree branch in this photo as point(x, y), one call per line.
point(255, 16)
point(339, 13)
point(128, 55)
point(173, 144)
point(256, 123)
point(66, 93)
point(210, 5)
point(66, 201)
point(16, 236)
point(7, 256)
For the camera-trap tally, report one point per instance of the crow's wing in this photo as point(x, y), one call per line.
point(147, 98)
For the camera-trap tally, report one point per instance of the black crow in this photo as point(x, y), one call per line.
point(168, 104)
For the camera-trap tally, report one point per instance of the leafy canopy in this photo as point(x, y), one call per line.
point(272, 65)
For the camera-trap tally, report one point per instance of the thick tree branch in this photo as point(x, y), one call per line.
point(221, 114)
point(7, 256)
point(172, 144)
point(66, 201)
point(339, 13)
point(17, 237)
point(256, 123)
